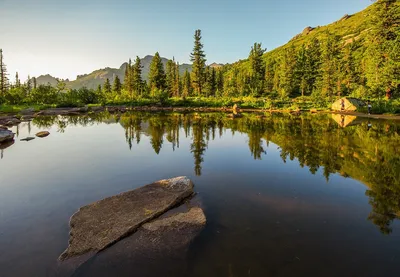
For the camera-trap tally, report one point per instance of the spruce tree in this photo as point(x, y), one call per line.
point(383, 54)
point(176, 89)
point(128, 78)
point(197, 57)
point(187, 84)
point(170, 76)
point(34, 81)
point(257, 69)
point(138, 86)
point(3, 76)
point(287, 74)
point(107, 87)
point(17, 81)
point(117, 85)
point(157, 74)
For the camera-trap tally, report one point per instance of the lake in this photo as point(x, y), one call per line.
point(310, 195)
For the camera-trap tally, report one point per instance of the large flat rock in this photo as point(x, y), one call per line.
point(157, 247)
point(99, 225)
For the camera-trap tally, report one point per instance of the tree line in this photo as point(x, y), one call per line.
point(323, 68)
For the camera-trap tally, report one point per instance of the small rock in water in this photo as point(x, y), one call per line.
point(27, 139)
point(42, 134)
point(6, 135)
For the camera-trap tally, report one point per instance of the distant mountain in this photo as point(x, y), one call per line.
point(46, 79)
point(97, 77)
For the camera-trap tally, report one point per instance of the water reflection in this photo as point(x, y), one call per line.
point(364, 150)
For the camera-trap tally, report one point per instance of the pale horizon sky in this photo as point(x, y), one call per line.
point(67, 38)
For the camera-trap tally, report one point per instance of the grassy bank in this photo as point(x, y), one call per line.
point(379, 106)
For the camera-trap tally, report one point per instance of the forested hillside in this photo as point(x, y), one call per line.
point(357, 55)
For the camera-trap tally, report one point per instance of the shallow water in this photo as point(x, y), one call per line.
point(283, 196)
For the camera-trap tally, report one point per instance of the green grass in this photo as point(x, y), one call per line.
point(19, 108)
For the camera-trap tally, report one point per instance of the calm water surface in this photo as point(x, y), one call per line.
point(283, 196)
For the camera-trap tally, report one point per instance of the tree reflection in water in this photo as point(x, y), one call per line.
point(363, 150)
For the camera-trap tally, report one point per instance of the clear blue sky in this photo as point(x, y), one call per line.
point(70, 37)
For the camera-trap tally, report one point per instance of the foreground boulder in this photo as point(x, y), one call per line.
point(6, 135)
point(156, 248)
point(101, 224)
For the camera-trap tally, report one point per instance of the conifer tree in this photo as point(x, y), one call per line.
point(170, 76)
point(117, 85)
point(17, 81)
point(138, 86)
point(157, 74)
point(287, 76)
point(28, 84)
point(34, 81)
point(128, 78)
point(269, 75)
point(3, 76)
point(107, 87)
point(257, 68)
point(197, 57)
point(187, 84)
point(176, 89)
point(383, 54)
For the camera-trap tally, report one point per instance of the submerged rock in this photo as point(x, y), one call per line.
point(99, 225)
point(27, 139)
point(42, 134)
point(6, 135)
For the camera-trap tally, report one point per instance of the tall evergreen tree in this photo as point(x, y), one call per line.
point(117, 85)
point(170, 76)
point(17, 80)
point(176, 89)
point(138, 86)
point(197, 57)
point(329, 67)
point(107, 87)
point(257, 69)
point(187, 84)
point(34, 82)
point(157, 74)
point(28, 84)
point(128, 83)
point(287, 76)
point(269, 75)
point(383, 53)
point(3, 76)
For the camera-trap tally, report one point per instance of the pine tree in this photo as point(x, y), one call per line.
point(197, 57)
point(176, 89)
point(117, 85)
point(34, 81)
point(329, 67)
point(170, 76)
point(383, 54)
point(138, 86)
point(29, 84)
point(219, 82)
point(107, 87)
point(287, 76)
point(157, 74)
point(257, 69)
point(3, 76)
point(301, 69)
point(187, 84)
point(269, 75)
point(128, 78)
point(17, 81)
